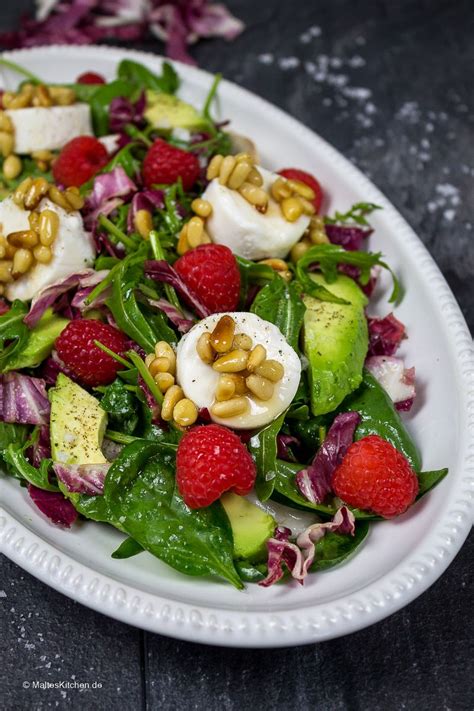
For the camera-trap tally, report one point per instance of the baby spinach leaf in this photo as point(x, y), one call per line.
point(378, 416)
point(122, 406)
point(280, 303)
point(14, 331)
point(140, 490)
point(251, 572)
point(141, 77)
point(14, 455)
point(127, 549)
point(428, 480)
point(263, 448)
point(335, 548)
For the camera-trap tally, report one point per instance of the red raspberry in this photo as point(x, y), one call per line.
point(375, 476)
point(165, 164)
point(79, 160)
point(211, 460)
point(307, 179)
point(90, 78)
point(212, 273)
point(76, 348)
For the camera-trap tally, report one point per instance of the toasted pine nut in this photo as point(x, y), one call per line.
point(75, 200)
point(271, 370)
point(143, 223)
point(298, 250)
point(23, 238)
point(231, 362)
point(185, 412)
point(33, 219)
point(204, 348)
point(241, 340)
point(225, 388)
point(5, 123)
point(172, 396)
point(43, 254)
point(227, 166)
point(7, 99)
point(22, 261)
point(194, 233)
point(239, 175)
point(6, 143)
point(42, 155)
point(280, 189)
point(48, 227)
point(36, 193)
point(291, 208)
point(318, 236)
point(10, 250)
point(230, 408)
point(308, 207)
point(223, 334)
point(302, 189)
point(42, 165)
point(21, 100)
point(205, 239)
point(3, 251)
point(255, 178)
point(6, 268)
point(260, 387)
point(160, 365)
point(214, 167)
point(201, 207)
point(12, 167)
point(62, 95)
point(244, 158)
point(43, 96)
point(21, 190)
point(254, 195)
point(2, 290)
point(286, 275)
point(164, 350)
point(316, 223)
point(256, 357)
point(239, 383)
point(183, 245)
point(164, 381)
point(278, 265)
point(58, 198)
point(149, 359)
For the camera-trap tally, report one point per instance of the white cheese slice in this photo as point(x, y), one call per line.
point(38, 128)
point(199, 380)
point(73, 249)
point(247, 232)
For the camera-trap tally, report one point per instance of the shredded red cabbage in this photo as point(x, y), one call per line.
point(54, 505)
point(397, 381)
point(385, 335)
point(176, 317)
point(349, 237)
point(82, 478)
point(314, 482)
point(160, 270)
point(23, 399)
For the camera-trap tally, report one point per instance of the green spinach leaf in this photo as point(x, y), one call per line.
point(14, 455)
point(251, 572)
point(122, 406)
point(141, 77)
point(335, 548)
point(263, 448)
point(127, 549)
point(280, 303)
point(428, 480)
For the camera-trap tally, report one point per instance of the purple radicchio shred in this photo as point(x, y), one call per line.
point(49, 295)
point(298, 557)
point(354, 272)
point(4, 307)
point(54, 505)
point(314, 482)
point(349, 237)
point(79, 300)
point(405, 405)
point(122, 111)
point(385, 335)
point(150, 401)
point(41, 449)
point(52, 366)
point(175, 316)
point(160, 270)
point(284, 443)
point(110, 190)
point(24, 399)
point(82, 478)
point(150, 200)
point(397, 381)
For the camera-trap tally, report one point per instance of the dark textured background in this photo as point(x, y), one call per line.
point(389, 83)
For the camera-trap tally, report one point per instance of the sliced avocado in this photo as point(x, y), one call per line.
point(335, 343)
point(77, 424)
point(167, 111)
point(251, 527)
point(40, 341)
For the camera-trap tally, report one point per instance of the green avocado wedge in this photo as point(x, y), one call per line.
point(335, 343)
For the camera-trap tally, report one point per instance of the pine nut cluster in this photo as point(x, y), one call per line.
point(175, 407)
point(12, 165)
point(244, 369)
point(240, 173)
point(294, 198)
point(315, 234)
point(39, 96)
point(193, 232)
point(279, 266)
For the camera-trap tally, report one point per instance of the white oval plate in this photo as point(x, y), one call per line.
point(400, 559)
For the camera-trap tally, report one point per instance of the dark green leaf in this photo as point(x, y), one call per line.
point(428, 480)
point(13, 331)
point(335, 548)
point(263, 448)
point(14, 455)
point(127, 549)
point(122, 406)
point(139, 76)
point(251, 572)
point(280, 303)
point(357, 214)
point(252, 274)
point(100, 103)
point(38, 344)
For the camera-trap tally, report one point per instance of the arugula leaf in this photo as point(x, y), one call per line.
point(280, 303)
point(140, 490)
point(14, 455)
point(263, 448)
point(329, 256)
point(14, 330)
point(357, 214)
point(16, 435)
point(252, 274)
point(127, 549)
point(335, 548)
point(141, 77)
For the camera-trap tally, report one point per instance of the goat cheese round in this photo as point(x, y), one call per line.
point(199, 380)
point(72, 249)
point(39, 128)
point(246, 231)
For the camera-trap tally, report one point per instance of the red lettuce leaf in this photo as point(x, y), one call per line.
point(53, 505)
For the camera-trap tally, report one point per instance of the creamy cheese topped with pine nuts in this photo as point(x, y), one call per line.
point(238, 366)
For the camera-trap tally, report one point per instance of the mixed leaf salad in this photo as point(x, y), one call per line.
point(188, 353)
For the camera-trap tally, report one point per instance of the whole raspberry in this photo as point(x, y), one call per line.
point(90, 78)
point(79, 161)
point(212, 273)
point(77, 350)
point(165, 164)
point(308, 179)
point(211, 460)
point(375, 476)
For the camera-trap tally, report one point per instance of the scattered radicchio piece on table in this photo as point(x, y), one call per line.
point(82, 478)
point(150, 200)
point(349, 237)
point(54, 505)
point(314, 482)
point(397, 381)
point(160, 270)
point(175, 316)
point(24, 399)
point(385, 335)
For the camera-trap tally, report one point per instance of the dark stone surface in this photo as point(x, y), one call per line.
point(390, 85)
